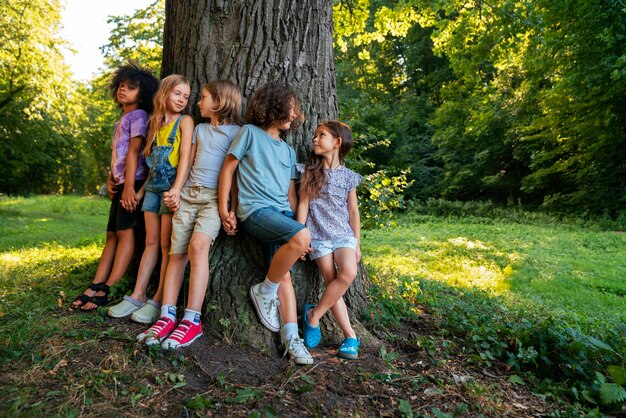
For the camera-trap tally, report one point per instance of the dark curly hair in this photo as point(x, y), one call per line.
point(272, 104)
point(137, 76)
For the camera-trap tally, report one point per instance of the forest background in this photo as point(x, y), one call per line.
point(515, 102)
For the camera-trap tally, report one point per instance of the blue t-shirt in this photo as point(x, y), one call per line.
point(266, 168)
point(212, 144)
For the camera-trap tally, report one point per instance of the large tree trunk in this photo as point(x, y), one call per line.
point(251, 43)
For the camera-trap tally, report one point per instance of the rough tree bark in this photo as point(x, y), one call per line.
point(250, 43)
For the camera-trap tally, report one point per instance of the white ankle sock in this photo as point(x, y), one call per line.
point(168, 311)
point(193, 316)
point(268, 287)
point(289, 330)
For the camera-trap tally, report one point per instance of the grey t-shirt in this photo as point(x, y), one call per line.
point(212, 146)
point(266, 168)
point(328, 212)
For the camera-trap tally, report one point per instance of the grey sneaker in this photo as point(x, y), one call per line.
point(266, 308)
point(297, 351)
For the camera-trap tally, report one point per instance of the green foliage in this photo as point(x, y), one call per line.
point(38, 102)
point(382, 197)
point(507, 100)
point(137, 37)
point(387, 83)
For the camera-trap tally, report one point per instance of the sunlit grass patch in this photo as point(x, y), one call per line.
point(563, 268)
point(32, 222)
point(22, 269)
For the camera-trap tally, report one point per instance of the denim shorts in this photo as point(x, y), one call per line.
point(198, 212)
point(272, 227)
point(154, 202)
point(325, 247)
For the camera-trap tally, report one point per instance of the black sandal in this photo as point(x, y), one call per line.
point(83, 298)
point(98, 300)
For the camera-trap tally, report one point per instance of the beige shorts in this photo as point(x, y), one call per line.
point(198, 212)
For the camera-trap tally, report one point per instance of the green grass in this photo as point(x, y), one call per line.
point(49, 247)
point(567, 271)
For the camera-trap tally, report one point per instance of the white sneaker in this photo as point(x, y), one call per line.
point(266, 308)
point(297, 351)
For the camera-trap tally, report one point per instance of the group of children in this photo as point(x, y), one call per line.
point(190, 182)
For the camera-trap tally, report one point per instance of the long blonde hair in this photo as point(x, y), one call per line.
point(157, 120)
point(228, 96)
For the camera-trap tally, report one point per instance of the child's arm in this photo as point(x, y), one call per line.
point(186, 130)
point(111, 189)
point(355, 220)
point(129, 197)
point(303, 208)
point(234, 201)
point(293, 196)
point(224, 189)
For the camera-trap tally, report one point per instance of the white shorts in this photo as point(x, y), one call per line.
point(325, 247)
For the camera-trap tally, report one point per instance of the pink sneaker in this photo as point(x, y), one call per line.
point(157, 332)
point(186, 333)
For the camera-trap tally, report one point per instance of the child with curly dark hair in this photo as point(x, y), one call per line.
point(132, 88)
point(267, 199)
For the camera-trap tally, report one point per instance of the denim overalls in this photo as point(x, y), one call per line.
point(162, 175)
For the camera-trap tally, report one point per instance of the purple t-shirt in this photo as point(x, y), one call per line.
point(328, 212)
point(130, 125)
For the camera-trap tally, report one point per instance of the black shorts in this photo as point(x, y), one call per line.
point(121, 219)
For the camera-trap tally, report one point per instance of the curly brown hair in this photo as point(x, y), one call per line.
point(314, 176)
point(272, 104)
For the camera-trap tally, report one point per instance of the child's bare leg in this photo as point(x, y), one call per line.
point(287, 255)
point(174, 278)
point(123, 254)
point(337, 283)
point(149, 257)
point(104, 265)
point(287, 298)
point(199, 246)
point(166, 243)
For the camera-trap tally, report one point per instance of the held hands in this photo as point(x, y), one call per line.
point(172, 199)
point(129, 199)
point(306, 252)
point(229, 223)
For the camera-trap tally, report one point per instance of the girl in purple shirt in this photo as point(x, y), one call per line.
point(132, 89)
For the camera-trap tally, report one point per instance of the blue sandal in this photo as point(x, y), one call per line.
point(349, 349)
point(312, 335)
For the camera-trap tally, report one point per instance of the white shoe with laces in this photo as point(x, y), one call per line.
point(297, 351)
point(266, 308)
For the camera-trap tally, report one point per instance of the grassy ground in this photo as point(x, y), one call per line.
point(566, 271)
point(452, 298)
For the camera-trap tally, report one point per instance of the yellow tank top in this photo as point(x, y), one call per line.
point(161, 140)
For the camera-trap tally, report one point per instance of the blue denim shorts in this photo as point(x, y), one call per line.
point(272, 227)
point(325, 247)
point(155, 187)
point(153, 202)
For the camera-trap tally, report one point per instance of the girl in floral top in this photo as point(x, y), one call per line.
point(329, 207)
